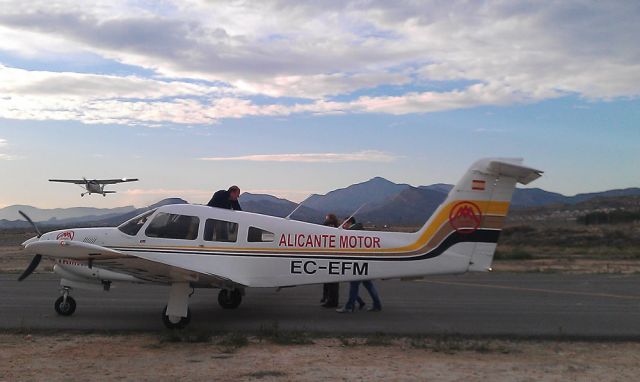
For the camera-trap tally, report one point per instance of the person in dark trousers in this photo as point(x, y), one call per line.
point(351, 223)
point(330, 291)
point(226, 199)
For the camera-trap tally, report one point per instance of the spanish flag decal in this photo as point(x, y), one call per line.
point(478, 185)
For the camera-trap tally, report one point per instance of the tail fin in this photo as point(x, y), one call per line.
point(476, 208)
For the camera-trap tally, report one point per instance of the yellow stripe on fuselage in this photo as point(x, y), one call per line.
point(487, 207)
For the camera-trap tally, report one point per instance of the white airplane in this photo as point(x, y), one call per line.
point(195, 246)
point(95, 186)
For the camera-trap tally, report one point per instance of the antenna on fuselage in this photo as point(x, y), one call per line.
point(298, 206)
point(352, 215)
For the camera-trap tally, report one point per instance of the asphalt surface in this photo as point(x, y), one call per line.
point(487, 304)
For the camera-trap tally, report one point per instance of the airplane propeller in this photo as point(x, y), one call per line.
point(36, 259)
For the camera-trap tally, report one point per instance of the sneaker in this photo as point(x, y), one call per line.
point(374, 309)
point(344, 309)
point(361, 306)
point(329, 305)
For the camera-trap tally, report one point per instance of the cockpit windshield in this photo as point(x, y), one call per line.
point(132, 227)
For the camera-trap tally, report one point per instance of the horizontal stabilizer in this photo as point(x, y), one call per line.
point(522, 174)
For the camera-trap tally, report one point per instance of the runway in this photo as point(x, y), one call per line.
point(487, 304)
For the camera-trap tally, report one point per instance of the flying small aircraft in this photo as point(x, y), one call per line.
point(195, 246)
point(95, 186)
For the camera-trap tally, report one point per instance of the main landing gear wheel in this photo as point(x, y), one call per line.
point(65, 305)
point(229, 299)
point(175, 322)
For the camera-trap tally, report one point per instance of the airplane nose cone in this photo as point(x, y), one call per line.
point(29, 241)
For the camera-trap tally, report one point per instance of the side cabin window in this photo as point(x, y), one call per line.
point(173, 226)
point(132, 227)
point(220, 230)
point(258, 235)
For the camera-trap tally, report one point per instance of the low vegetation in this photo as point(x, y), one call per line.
point(455, 344)
point(273, 334)
point(525, 242)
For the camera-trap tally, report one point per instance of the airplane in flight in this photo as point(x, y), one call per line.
point(94, 186)
point(193, 246)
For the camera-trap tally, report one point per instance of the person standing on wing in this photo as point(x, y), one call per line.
point(226, 199)
point(223, 231)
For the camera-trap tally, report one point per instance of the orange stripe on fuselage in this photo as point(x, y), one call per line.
point(442, 215)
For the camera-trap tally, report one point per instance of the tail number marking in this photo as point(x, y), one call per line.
point(335, 268)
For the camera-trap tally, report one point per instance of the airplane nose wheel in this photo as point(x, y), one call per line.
point(65, 305)
point(173, 322)
point(230, 299)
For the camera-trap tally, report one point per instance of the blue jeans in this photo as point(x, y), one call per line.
point(353, 294)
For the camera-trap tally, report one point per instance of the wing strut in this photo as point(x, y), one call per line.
point(288, 217)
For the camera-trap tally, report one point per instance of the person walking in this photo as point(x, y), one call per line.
point(330, 291)
point(351, 224)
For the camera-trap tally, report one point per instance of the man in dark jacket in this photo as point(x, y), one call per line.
point(226, 199)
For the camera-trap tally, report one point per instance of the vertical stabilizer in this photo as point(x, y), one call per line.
point(475, 209)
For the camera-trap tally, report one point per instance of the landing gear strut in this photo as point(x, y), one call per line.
point(230, 298)
point(65, 305)
point(176, 314)
point(175, 322)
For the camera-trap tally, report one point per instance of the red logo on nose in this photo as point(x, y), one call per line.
point(66, 235)
point(465, 217)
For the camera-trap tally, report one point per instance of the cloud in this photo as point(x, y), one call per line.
point(361, 156)
point(3, 156)
point(101, 99)
point(71, 85)
point(338, 56)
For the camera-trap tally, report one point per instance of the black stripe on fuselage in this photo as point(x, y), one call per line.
point(479, 236)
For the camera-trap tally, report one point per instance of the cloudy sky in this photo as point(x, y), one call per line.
point(299, 97)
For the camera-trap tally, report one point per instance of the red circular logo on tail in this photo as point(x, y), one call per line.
point(465, 217)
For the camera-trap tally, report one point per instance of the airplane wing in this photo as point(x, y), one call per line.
point(114, 181)
point(71, 250)
point(74, 181)
point(147, 268)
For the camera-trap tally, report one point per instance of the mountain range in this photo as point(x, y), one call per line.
point(378, 201)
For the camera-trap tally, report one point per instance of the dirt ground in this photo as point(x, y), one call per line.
point(144, 357)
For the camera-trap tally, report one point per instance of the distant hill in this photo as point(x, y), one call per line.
point(536, 197)
point(633, 191)
point(533, 197)
point(41, 214)
point(573, 211)
point(387, 203)
point(117, 220)
point(270, 205)
point(344, 201)
point(410, 207)
point(439, 187)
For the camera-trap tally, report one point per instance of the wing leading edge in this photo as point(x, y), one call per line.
point(99, 181)
point(74, 181)
point(114, 181)
point(146, 268)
